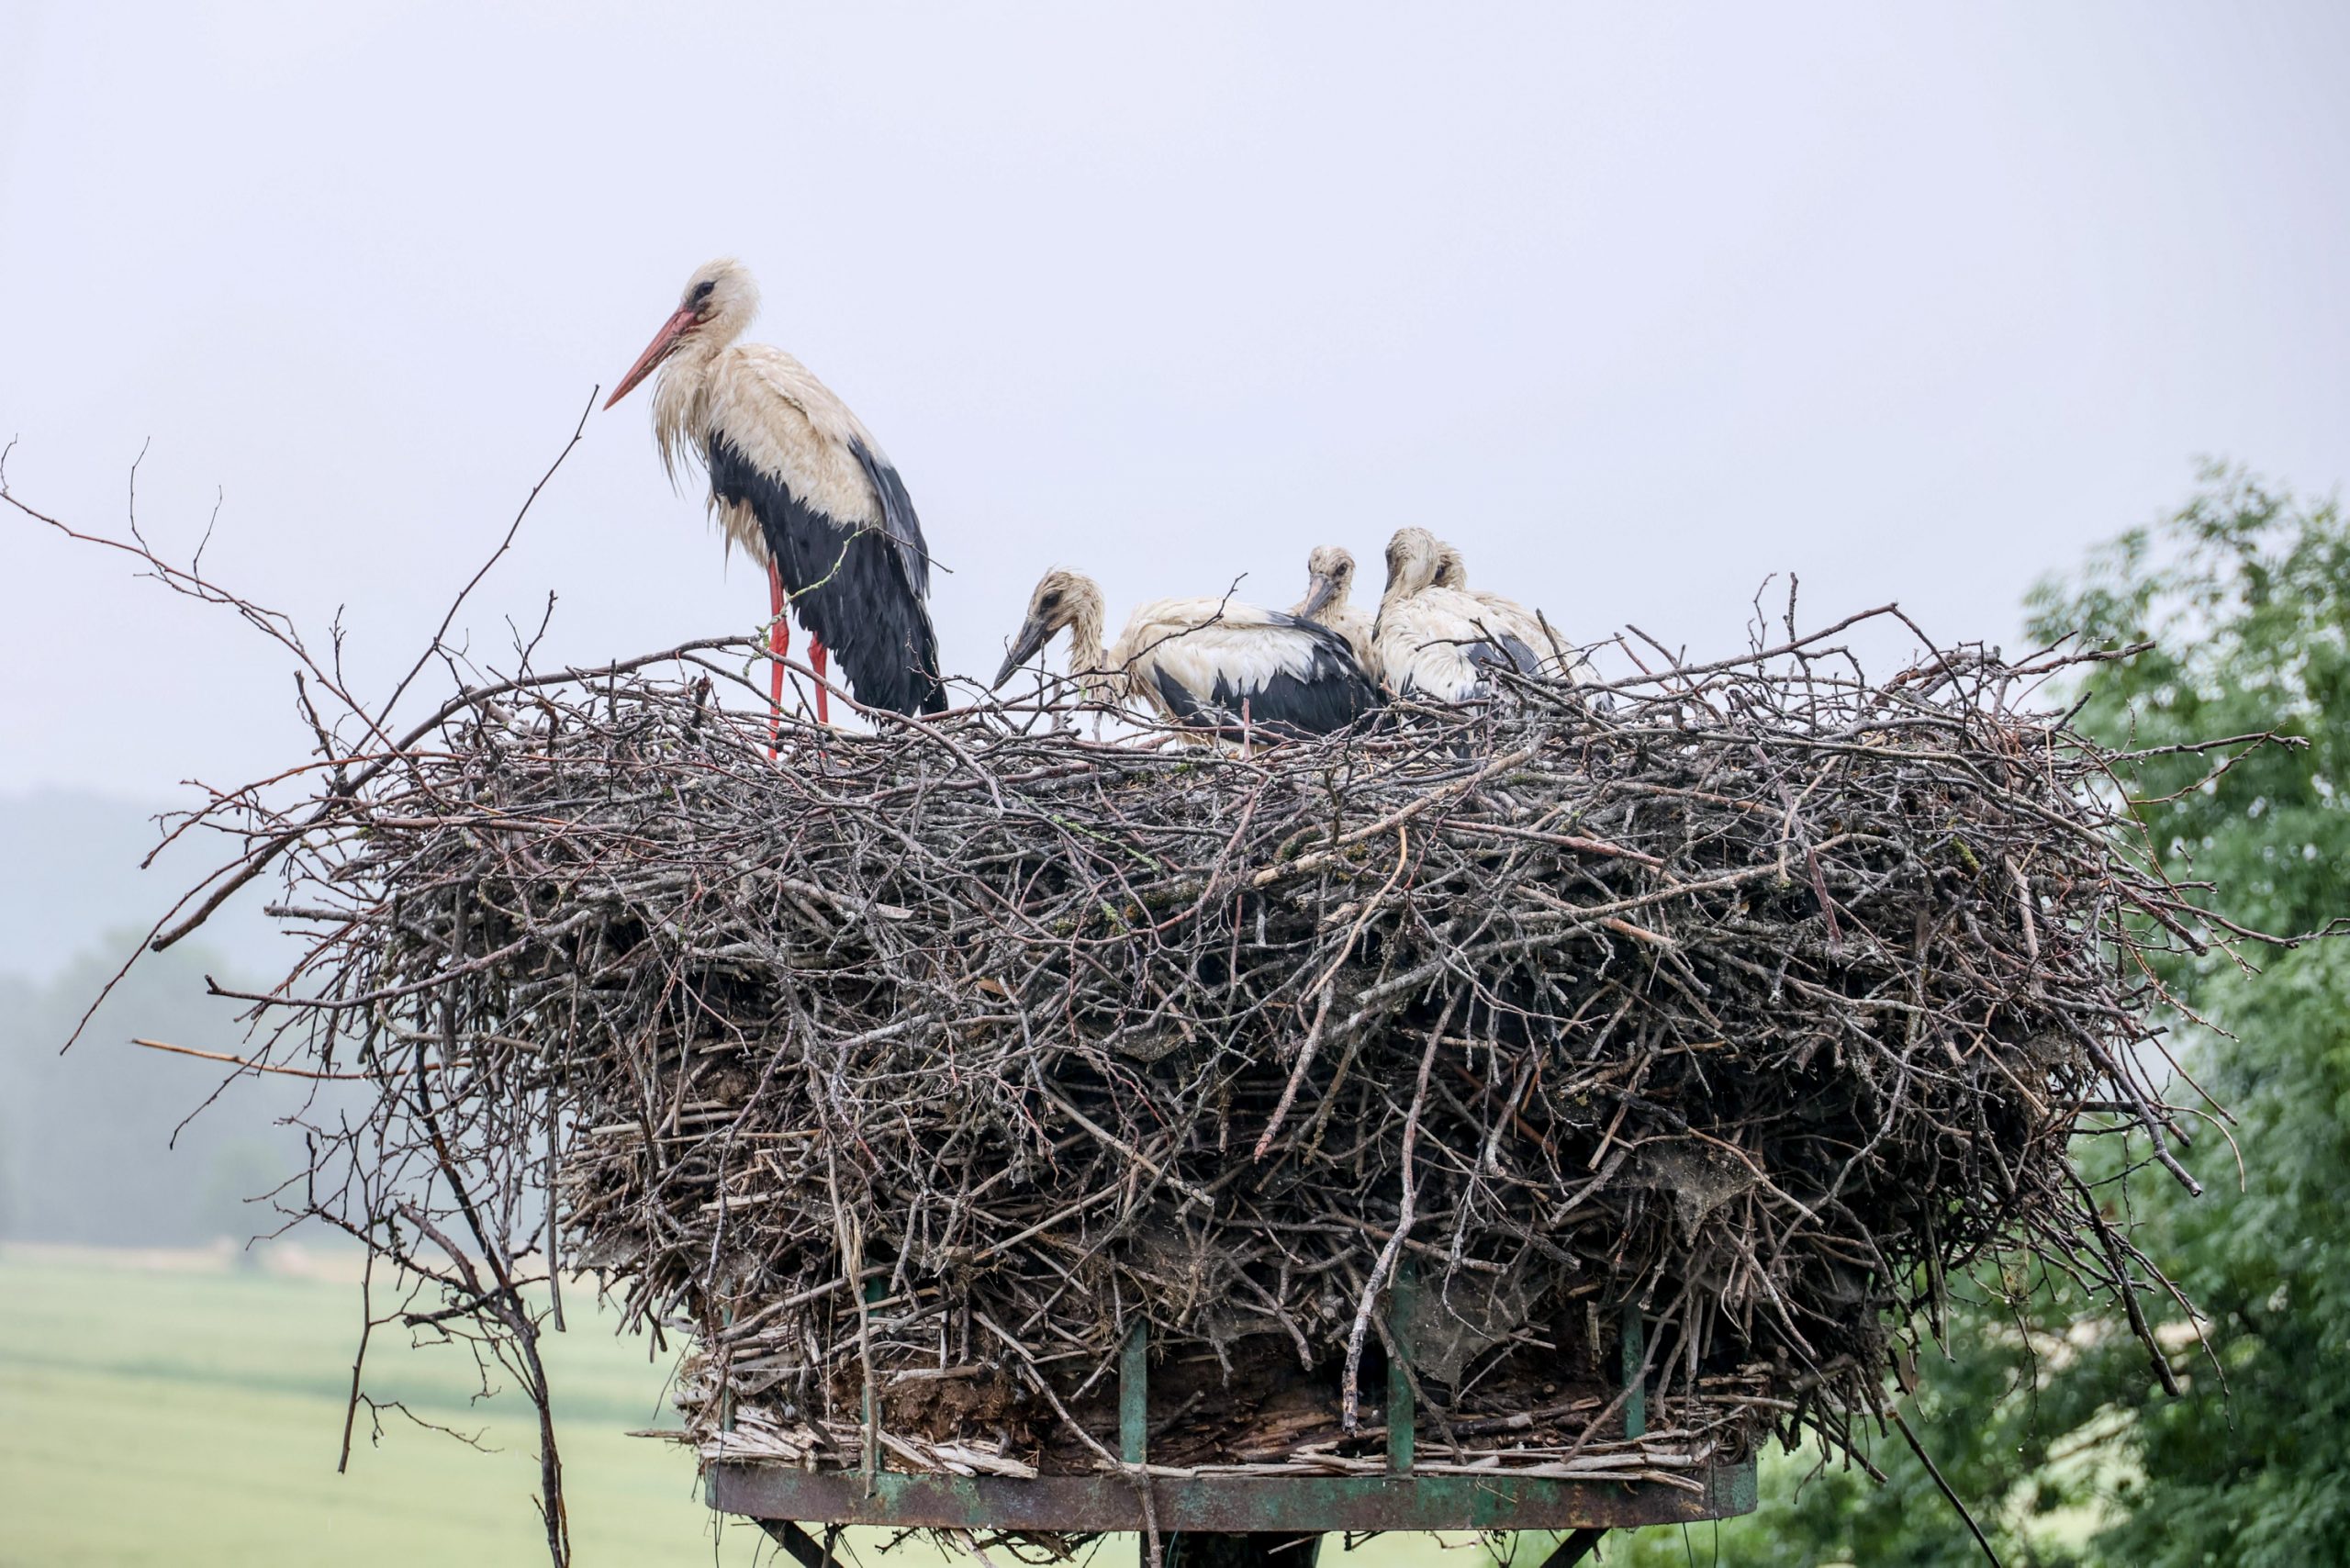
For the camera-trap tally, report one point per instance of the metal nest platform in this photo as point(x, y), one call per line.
point(1288, 1504)
point(782, 1497)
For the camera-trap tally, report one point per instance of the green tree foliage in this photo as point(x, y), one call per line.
point(2245, 595)
point(2044, 1415)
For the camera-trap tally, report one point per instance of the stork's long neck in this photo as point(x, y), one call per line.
point(681, 396)
point(1088, 659)
point(1397, 592)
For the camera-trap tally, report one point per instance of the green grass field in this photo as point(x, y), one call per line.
point(167, 1409)
point(152, 1412)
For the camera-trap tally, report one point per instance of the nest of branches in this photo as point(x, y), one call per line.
point(1724, 1015)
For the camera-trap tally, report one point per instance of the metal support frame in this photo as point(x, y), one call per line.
point(1401, 1499)
point(801, 1545)
point(1133, 1395)
point(875, 1289)
point(1635, 1372)
point(1496, 1500)
point(1403, 1410)
point(1573, 1548)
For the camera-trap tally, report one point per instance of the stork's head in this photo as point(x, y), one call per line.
point(719, 302)
point(1329, 577)
point(1451, 571)
point(1063, 599)
point(1412, 558)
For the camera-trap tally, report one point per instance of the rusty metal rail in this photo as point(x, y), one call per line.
point(1498, 1501)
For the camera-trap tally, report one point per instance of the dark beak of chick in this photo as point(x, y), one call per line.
point(1320, 589)
point(1032, 639)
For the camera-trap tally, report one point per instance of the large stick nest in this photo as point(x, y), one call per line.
point(1752, 1001)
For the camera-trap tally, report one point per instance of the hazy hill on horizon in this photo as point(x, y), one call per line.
point(91, 1146)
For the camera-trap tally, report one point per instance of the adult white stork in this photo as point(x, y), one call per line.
point(1562, 660)
point(1217, 662)
point(799, 482)
point(1436, 642)
point(1329, 577)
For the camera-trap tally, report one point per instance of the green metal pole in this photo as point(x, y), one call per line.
point(1403, 1298)
point(1636, 1355)
point(1133, 1395)
point(875, 1289)
point(726, 1395)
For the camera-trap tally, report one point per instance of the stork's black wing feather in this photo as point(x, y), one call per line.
point(1502, 648)
point(1179, 701)
point(1332, 693)
point(1489, 650)
point(849, 583)
point(897, 519)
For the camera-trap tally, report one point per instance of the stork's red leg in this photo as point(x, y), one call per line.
point(816, 661)
point(778, 645)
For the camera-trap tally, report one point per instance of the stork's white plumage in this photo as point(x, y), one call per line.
point(1329, 578)
point(1213, 662)
point(1438, 643)
point(799, 482)
point(1562, 660)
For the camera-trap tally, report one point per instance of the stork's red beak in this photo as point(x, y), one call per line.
point(654, 352)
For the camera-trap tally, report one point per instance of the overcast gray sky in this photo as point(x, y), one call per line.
point(1638, 304)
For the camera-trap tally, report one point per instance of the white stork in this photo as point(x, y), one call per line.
point(1436, 642)
point(1201, 661)
point(1561, 659)
point(799, 482)
point(1329, 577)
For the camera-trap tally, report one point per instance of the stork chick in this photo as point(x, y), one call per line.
point(1200, 661)
point(1434, 642)
point(1562, 660)
point(1329, 578)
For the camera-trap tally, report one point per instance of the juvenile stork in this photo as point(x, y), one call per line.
point(1436, 642)
point(1562, 660)
point(1329, 577)
point(1216, 663)
point(799, 482)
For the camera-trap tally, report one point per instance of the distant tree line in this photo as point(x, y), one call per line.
point(105, 1143)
